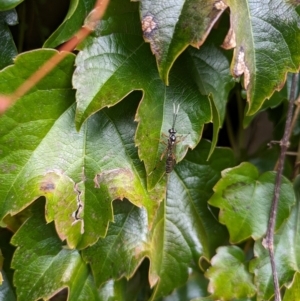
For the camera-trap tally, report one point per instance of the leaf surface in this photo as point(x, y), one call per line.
point(78, 10)
point(79, 171)
point(170, 27)
point(182, 218)
point(229, 276)
point(265, 35)
point(184, 228)
point(117, 61)
point(44, 266)
point(244, 198)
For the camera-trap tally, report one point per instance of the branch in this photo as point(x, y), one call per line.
point(284, 144)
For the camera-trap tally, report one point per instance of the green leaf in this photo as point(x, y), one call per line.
point(171, 27)
point(84, 170)
point(77, 12)
point(286, 250)
point(9, 4)
point(184, 228)
point(229, 276)
point(244, 198)
point(210, 66)
point(110, 257)
point(265, 35)
point(8, 48)
point(110, 67)
point(293, 292)
point(183, 217)
point(44, 266)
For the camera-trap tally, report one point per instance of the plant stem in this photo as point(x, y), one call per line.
point(284, 144)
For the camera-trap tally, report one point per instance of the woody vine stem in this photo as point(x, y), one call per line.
point(284, 144)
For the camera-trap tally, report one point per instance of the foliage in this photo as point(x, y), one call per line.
point(86, 208)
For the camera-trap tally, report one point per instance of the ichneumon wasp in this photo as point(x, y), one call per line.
point(170, 149)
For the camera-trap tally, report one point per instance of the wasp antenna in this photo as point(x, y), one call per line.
point(175, 112)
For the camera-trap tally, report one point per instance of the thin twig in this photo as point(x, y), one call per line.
point(284, 144)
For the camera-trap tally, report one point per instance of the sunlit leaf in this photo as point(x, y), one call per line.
point(93, 166)
point(244, 198)
point(229, 276)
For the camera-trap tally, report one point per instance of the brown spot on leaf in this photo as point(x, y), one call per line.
point(148, 25)
point(47, 186)
point(220, 5)
point(240, 67)
point(229, 41)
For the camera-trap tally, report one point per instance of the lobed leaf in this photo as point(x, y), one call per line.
point(94, 166)
point(113, 64)
point(43, 266)
point(184, 228)
point(244, 198)
point(265, 36)
point(229, 276)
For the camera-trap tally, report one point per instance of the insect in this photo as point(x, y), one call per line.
point(171, 158)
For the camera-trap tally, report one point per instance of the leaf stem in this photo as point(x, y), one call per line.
point(284, 144)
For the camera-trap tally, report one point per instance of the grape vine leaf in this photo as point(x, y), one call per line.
point(73, 21)
point(244, 198)
point(42, 154)
point(228, 276)
point(286, 251)
point(170, 27)
point(43, 265)
point(265, 35)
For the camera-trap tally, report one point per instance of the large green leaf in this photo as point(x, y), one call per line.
point(244, 198)
point(44, 265)
point(171, 26)
point(84, 170)
point(210, 66)
point(8, 48)
point(184, 228)
point(266, 36)
point(183, 217)
point(111, 66)
point(78, 10)
point(229, 276)
point(286, 250)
